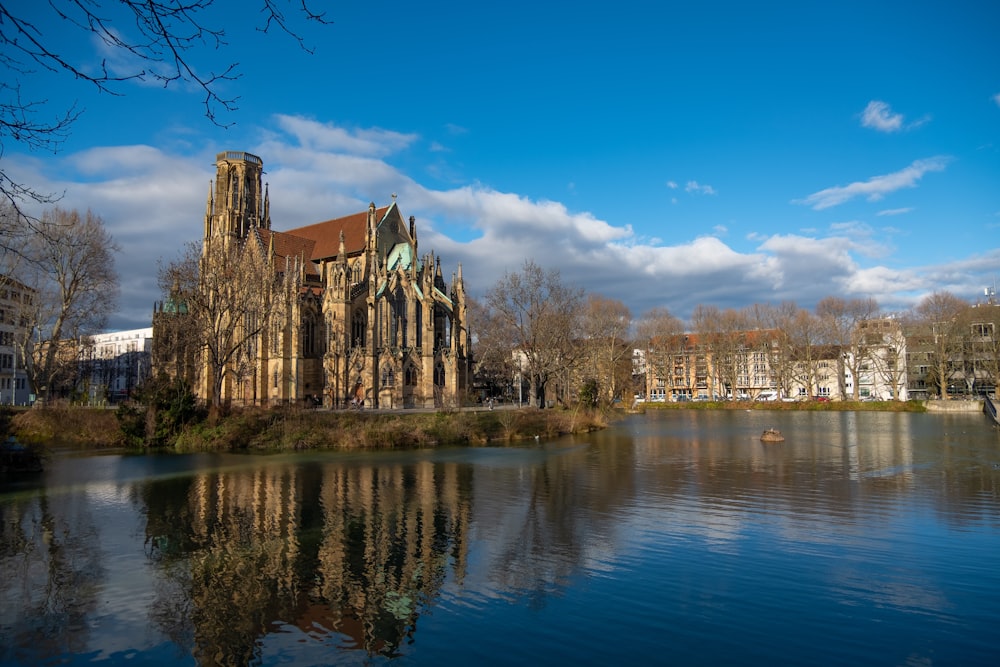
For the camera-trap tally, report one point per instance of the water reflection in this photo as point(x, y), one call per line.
point(230, 560)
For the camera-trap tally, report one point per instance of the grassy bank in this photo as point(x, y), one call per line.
point(299, 429)
point(63, 426)
point(833, 406)
point(293, 429)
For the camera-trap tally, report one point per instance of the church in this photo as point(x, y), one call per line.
point(366, 320)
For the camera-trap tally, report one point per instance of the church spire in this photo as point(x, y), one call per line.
point(208, 211)
point(266, 218)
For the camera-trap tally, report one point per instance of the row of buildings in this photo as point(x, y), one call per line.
point(360, 317)
point(885, 362)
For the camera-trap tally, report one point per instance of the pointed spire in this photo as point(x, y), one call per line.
point(208, 211)
point(267, 207)
point(342, 251)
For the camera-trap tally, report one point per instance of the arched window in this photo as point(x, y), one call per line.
point(399, 323)
point(309, 340)
point(358, 329)
point(439, 375)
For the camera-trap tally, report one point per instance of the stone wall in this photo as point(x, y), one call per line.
point(954, 406)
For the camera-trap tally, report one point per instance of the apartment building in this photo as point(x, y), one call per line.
point(113, 365)
point(14, 386)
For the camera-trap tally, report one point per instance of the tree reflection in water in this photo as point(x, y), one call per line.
point(51, 574)
point(349, 553)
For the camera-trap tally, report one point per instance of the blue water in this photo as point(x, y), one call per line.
point(672, 538)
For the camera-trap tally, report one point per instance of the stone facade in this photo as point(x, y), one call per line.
point(363, 319)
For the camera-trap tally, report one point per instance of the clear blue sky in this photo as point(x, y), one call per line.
point(664, 154)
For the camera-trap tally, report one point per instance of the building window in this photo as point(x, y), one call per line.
point(358, 329)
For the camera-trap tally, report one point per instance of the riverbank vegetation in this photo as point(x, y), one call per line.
point(833, 406)
point(293, 428)
point(180, 426)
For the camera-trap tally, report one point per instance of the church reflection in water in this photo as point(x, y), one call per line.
point(345, 554)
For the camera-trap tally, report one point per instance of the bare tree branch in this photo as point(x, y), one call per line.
point(161, 38)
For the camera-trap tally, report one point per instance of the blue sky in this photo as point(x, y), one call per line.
point(663, 154)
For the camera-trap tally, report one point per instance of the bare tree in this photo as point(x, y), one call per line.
point(72, 287)
point(536, 314)
point(809, 356)
point(605, 326)
point(661, 336)
point(161, 38)
point(776, 343)
point(841, 319)
point(495, 368)
point(228, 290)
point(942, 330)
point(706, 323)
point(985, 345)
point(725, 332)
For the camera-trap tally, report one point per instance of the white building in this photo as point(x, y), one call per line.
point(113, 365)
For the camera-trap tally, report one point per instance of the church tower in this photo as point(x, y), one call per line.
point(237, 204)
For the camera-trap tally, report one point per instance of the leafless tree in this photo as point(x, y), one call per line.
point(537, 315)
point(726, 333)
point(985, 343)
point(775, 341)
point(941, 327)
point(228, 290)
point(660, 334)
point(162, 40)
point(706, 322)
point(808, 355)
point(841, 319)
point(605, 326)
point(72, 287)
point(495, 368)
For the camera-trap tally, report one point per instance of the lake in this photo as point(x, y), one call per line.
point(671, 538)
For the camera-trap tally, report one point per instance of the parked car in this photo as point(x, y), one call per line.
point(822, 399)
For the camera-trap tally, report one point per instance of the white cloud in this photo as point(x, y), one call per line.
point(878, 116)
point(693, 187)
point(875, 188)
point(314, 135)
point(153, 202)
point(895, 211)
point(996, 98)
point(672, 185)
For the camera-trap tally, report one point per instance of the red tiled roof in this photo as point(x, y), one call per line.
point(326, 235)
point(290, 246)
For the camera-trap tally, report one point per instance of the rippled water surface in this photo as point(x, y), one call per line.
point(675, 537)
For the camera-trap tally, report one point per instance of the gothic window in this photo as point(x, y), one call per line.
point(388, 378)
point(398, 333)
point(410, 376)
point(420, 323)
point(309, 336)
point(356, 272)
point(358, 329)
point(439, 375)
